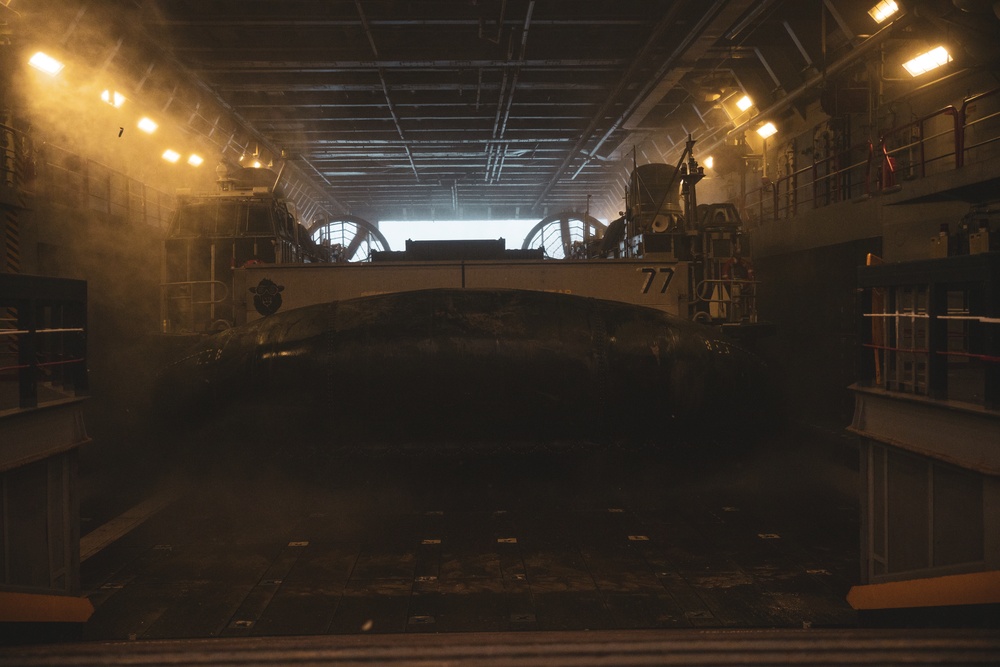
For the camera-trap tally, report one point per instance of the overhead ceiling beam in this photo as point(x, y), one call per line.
point(819, 79)
point(327, 66)
point(846, 29)
point(798, 43)
point(700, 42)
point(460, 88)
point(767, 67)
point(748, 20)
point(640, 59)
point(495, 158)
point(450, 141)
point(379, 23)
point(699, 39)
point(385, 90)
point(323, 198)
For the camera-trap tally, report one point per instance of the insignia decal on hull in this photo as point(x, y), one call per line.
point(267, 297)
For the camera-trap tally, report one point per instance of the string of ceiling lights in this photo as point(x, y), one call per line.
point(916, 66)
point(52, 67)
point(880, 12)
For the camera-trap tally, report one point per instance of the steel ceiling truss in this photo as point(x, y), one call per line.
point(497, 108)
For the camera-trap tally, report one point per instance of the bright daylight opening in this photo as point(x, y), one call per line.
point(396, 232)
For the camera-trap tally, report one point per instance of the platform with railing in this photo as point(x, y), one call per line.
point(928, 406)
point(950, 142)
point(43, 382)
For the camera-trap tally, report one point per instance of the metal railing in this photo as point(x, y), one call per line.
point(84, 184)
point(80, 183)
point(191, 306)
point(730, 300)
point(980, 128)
point(10, 156)
point(929, 328)
point(43, 339)
point(928, 145)
point(943, 140)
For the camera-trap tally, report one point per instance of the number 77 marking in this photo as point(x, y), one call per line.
point(651, 275)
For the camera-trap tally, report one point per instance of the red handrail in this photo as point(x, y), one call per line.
point(914, 134)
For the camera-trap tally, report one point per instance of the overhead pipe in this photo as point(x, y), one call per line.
point(503, 11)
point(489, 162)
point(517, 69)
point(862, 50)
point(859, 52)
point(668, 20)
point(277, 178)
point(503, 110)
point(326, 66)
point(681, 48)
point(500, 97)
point(694, 34)
point(385, 90)
point(479, 87)
point(340, 206)
point(735, 31)
point(499, 166)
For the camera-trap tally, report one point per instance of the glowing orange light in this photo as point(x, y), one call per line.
point(767, 129)
point(45, 63)
point(927, 61)
point(883, 10)
point(113, 97)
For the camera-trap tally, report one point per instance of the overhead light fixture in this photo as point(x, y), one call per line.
point(927, 61)
point(45, 63)
point(113, 97)
point(883, 10)
point(195, 160)
point(767, 129)
point(147, 125)
point(708, 162)
point(171, 155)
point(744, 103)
point(256, 164)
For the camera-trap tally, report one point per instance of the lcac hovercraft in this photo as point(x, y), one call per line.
point(666, 252)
